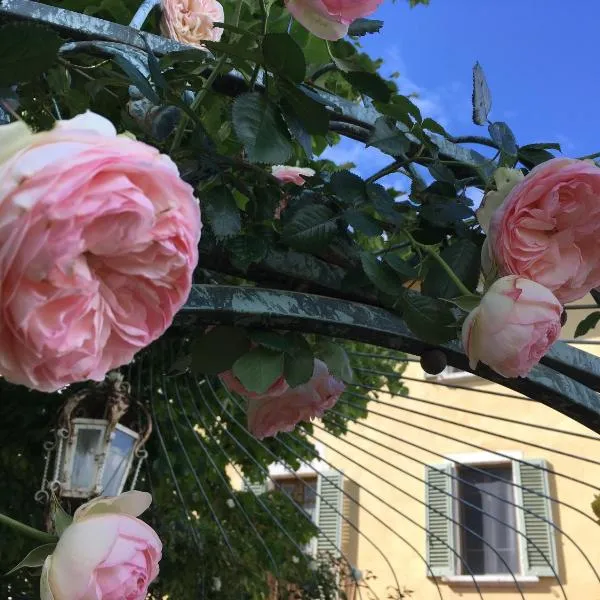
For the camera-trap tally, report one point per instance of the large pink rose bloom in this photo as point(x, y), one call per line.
point(105, 554)
point(513, 326)
point(269, 415)
point(98, 242)
point(548, 226)
point(192, 21)
point(329, 19)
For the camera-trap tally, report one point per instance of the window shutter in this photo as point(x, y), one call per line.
point(440, 529)
point(534, 478)
point(329, 512)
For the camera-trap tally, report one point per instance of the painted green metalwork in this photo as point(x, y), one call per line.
point(548, 383)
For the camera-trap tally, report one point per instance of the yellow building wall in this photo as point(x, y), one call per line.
point(383, 452)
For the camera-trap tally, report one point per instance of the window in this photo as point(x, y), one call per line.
point(302, 490)
point(490, 517)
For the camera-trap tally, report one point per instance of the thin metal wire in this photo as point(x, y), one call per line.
point(347, 495)
point(587, 436)
point(472, 445)
point(218, 471)
point(471, 427)
point(453, 496)
point(474, 468)
point(266, 471)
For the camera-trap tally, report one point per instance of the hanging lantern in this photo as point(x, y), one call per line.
point(100, 436)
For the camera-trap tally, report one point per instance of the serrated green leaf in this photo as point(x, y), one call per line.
point(35, 558)
point(402, 268)
point(59, 517)
point(463, 257)
point(362, 222)
point(284, 56)
point(312, 114)
point(482, 97)
point(445, 212)
point(336, 359)
point(222, 211)
point(433, 126)
point(26, 51)
point(137, 78)
point(384, 204)
point(299, 361)
point(441, 172)
point(310, 228)
point(246, 250)
point(370, 84)
point(272, 340)
point(348, 187)
point(382, 276)
point(258, 369)
point(260, 127)
point(239, 50)
point(360, 27)
point(501, 134)
point(216, 350)
point(388, 138)
point(466, 303)
point(587, 324)
point(400, 108)
point(429, 319)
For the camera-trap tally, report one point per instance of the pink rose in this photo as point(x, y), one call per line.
point(548, 226)
point(105, 554)
point(287, 174)
point(191, 21)
point(233, 384)
point(268, 415)
point(98, 242)
point(329, 19)
point(513, 327)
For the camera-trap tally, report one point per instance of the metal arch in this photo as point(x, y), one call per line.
point(549, 383)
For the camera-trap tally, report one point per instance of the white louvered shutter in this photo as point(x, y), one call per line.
point(329, 512)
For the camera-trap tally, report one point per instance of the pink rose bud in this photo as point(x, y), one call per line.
point(105, 554)
point(270, 414)
point(191, 21)
point(295, 175)
point(329, 19)
point(98, 243)
point(547, 228)
point(513, 327)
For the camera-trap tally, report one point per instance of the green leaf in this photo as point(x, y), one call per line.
point(384, 204)
point(501, 134)
point(222, 212)
point(542, 146)
point(237, 50)
point(441, 172)
point(258, 369)
point(272, 340)
point(299, 361)
point(533, 157)
point(433, 126)
point(283, 56)
point(259, 126)
point(370, 84)
point(482, 97)
point(463, 257)
point(348, 187)
point(360, 27)
point(26, 50)
point(362, 222)
point(400, 108)
point(59, 517)
point(429, 319)
point(445, 212)
point(35, 558)
point(402, 268)
point(312, 114)
point(345, 56)
point(336, 359)
point(216, 350)
point(137, 78)
point(587, 324)
point(466, 303)
point(388, 138)
point(381, 275)
point(311, 227)
point(246, 250)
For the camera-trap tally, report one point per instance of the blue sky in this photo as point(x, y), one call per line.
point(540, 58)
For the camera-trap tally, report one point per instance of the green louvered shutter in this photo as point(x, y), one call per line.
point(329, 512)
point(440, 530)
point(534, 478)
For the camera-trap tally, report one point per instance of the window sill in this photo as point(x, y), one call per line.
point(490, 579)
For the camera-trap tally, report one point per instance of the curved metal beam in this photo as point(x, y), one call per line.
point(258, 307)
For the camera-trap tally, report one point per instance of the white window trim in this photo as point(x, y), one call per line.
point(455, 376)
point(488, 458)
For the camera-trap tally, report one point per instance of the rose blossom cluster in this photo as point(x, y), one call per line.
point(281, 407)
point(543, 244)
point(98, 242)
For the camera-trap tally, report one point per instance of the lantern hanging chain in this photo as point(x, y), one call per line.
point(142, 455)
point(42, 495)
point(61, 435)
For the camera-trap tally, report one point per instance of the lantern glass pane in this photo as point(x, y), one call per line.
point(83, 475)
point(117, 463)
